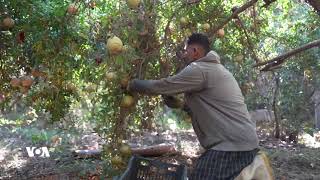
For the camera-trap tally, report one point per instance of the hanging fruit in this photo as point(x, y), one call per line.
point(125, 149)
point(8, 22)
point(15, 82)
point(109, 76)
point(98, 60)
point(127, 101)
point(116, 161)
point(183, 21)
point(92, 4)
point(21, 37)
point(220, 33)
point(134, 4)
point(206, 27)
point(72, 9)
point(114, 45)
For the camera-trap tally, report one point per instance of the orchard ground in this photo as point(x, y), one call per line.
point(290, 161)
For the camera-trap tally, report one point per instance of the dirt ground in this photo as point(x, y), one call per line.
point(289, 161)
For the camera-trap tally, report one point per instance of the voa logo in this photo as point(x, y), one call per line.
point(38, 152)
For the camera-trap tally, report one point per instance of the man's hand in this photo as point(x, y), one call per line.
point(140, 86)
point(172, 101)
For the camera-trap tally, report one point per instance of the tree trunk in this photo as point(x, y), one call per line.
point(316, 100)
point(274, 107)
point(317, 116)
point(147, 117)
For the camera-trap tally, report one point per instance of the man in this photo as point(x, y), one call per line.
point(219, 115)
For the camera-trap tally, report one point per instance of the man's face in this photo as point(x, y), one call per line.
point(193, 52)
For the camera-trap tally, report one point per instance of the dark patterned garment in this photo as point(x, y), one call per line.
point(222, 165)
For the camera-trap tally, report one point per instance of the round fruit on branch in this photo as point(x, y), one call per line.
point(114, 45)
point(184, 21)
point(134, 4)
point(220, 33)
point(8, 22)
point(206, 27)
point(125, 149)
point(72, 9)
point(127, 101)
point(109, 76)
point(15, 82)
point(117, 161)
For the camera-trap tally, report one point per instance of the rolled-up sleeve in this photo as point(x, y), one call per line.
point(188, 80)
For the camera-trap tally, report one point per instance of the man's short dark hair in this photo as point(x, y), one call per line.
point(200, 39)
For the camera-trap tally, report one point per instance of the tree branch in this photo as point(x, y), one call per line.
point(250, 44)
point(280, 59)
point(315, 4)
point(234, 15)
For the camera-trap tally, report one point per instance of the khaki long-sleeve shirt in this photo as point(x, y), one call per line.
point(219, 115)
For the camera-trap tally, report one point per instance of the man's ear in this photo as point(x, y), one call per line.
point(196, 52)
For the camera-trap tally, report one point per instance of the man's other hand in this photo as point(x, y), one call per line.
point(172, 101)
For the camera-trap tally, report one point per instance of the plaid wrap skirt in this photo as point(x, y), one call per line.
point(222, 165)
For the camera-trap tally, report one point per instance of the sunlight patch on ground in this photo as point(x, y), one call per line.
point(310, 141)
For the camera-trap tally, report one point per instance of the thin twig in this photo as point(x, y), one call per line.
point(251, 47)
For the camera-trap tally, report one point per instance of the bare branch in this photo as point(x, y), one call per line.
point(234, 15)
point(280, 59)
point(268, 2)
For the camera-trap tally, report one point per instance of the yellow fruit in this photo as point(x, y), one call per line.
point(72, 9)
point(92, 4)
point(308, 73)
point(116, 161)
point(8, 22)
point(183, 21)
point(134, 4)
point(127, 101)
point(114, 45)
point(15, 82)
point(26, 81)
point(110, 76)
point(206, 26)
point(125, 149)
point(220, 33)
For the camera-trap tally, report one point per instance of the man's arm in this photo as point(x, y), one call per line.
point(189, 79)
